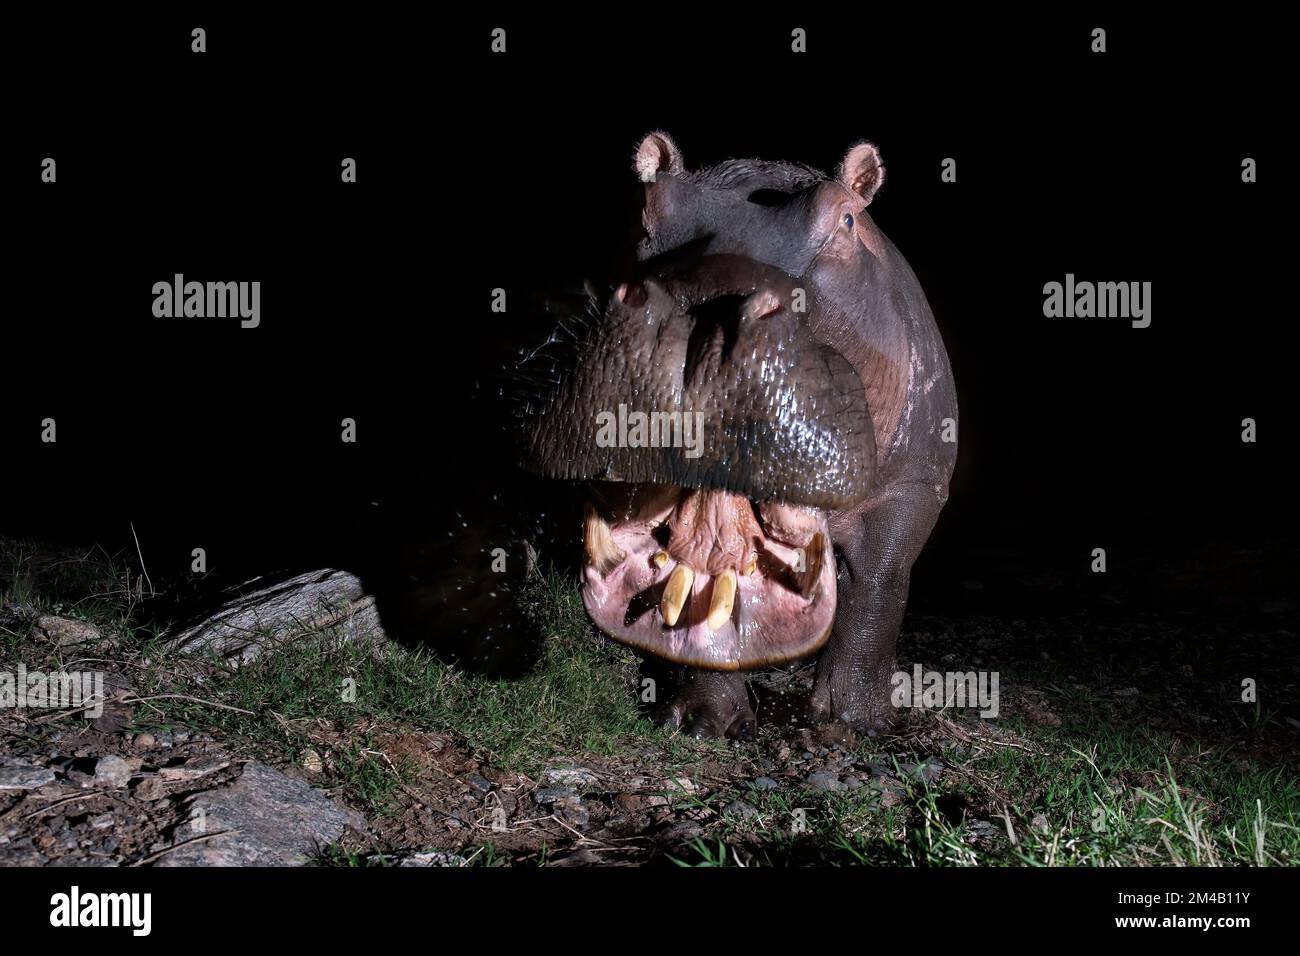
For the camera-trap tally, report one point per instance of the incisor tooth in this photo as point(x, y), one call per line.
point(722, 600)
point(675, 593)
point(659, 559)
point(602, 552)
point(814, 554)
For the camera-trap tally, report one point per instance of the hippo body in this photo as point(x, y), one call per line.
point(750, 520)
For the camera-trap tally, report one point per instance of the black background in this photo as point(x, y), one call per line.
point(479, 171)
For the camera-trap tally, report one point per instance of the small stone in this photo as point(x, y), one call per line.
point(824, 780)
point(112, 771)
point(20, 775)
point(104, 821)
point(572, 812)
point(548, 795)
point(569, 775)
point(311, 761)
point(66, 632)
point(478, 783)
point(144, 741)
point(927, 772)
point(630, 802)
point(982, 829)
point(741, 809)
point(1039, 822)
point(150, 788)
point(681, 784)
point(765, 783)
point(433, 858)
point(194, 769)
point(890, 798)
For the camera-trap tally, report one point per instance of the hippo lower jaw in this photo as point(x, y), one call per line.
point(707, 579)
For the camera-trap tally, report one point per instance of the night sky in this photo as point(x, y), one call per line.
point(477, 172)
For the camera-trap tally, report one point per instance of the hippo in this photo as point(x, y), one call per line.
point(768, 309)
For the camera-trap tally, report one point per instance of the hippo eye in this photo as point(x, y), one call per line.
point(847, 220)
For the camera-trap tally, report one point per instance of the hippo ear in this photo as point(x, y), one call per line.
point(862, 170)
point(657, 154)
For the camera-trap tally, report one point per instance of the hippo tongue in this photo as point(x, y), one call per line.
point(694, 577)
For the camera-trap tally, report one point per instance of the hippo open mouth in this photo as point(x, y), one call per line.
point(706, 578)
point(713, 551)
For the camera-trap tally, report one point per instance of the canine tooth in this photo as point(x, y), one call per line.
point(659, 559)
point(750, 565)
point(675, 593)
point(814, 554)
point(722, 600)
point(602, 552)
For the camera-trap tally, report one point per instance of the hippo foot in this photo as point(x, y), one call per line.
point(712, 704)
point(848, 699)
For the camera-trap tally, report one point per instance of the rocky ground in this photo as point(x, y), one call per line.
point(1102, 752)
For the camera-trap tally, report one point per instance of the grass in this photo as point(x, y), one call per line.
point(1094, 791)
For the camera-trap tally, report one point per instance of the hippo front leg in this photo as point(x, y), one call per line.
point(878, 545)
point(711, 704)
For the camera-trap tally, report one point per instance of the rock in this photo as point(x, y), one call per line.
point(741, 809)
point(824, 780)
point(927, 772)
point(630, 802)
point(571, 811)
point(150, 788)
point(569, 775)
point(116, 715)
point(1039, 822)
point(311, 761)
point(21, 775)
point(269, 820)
point(478, 783)
point(432, 858)
point(890, 798)
point(982, 829)
point(112, 771)
point(144, 742)
point(104, 821)
point(21, 853)
point(194, 769)
point(66, 632)
point(681, 785)
point(548, 795)
point(765, 783)
point(260, 614)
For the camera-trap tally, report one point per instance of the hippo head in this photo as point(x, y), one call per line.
point(717, 432)
point(811, 226)
point(784, 214)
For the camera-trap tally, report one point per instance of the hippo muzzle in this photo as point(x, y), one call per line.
point(716, 433)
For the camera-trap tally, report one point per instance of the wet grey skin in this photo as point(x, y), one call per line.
point(864, 307)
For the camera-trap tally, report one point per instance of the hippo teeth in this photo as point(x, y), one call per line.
point(602, 552)
point(722, 600)
point(814, 554)
point(700, 582)
point(675, 593)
